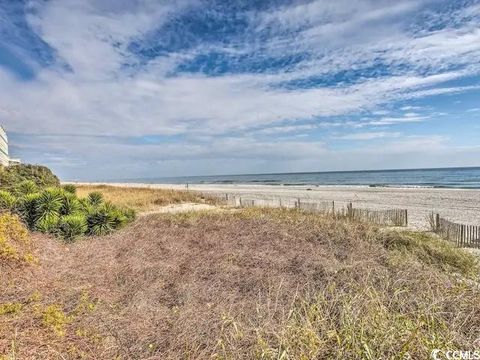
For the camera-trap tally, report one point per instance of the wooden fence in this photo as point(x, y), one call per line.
point(462, 235)
point(392, 217)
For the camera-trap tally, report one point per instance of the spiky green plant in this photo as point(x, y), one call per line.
point(59, 211)
point(7, 200)
point(72, 226)
point(70, 204)
point(26, 187)
point(47, 224)
point(70, 188)
point(101, 221)
point(95, 198)
point(26, 207)
point(118, 217)
point(85, 206)
point(49, 203)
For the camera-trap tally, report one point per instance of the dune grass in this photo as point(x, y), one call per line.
point(248, 284)
point(144, 199)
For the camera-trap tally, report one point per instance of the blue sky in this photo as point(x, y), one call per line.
point(112, 89)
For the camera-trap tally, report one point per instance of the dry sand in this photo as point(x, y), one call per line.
point(180, 208)
point(457, 205)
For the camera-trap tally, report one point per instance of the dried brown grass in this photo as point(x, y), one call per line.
point(255, 283)
point(144, 199)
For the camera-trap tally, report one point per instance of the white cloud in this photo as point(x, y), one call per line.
point(396, 120)
point(369, 135)
point(110, 92)
point(409, 108)
point(92, 36)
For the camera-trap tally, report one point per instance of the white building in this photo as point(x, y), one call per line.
point(4, 156)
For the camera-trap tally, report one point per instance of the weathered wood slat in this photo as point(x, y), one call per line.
point(460, 234)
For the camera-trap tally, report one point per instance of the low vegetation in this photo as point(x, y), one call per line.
point(15, 244)
point(41, 176)
point(144, 199)
point(60, 212)
point(249, 284)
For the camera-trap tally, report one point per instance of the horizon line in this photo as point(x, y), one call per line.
point(305, 172)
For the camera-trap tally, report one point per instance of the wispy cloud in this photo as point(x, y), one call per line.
point(369, 135)
point(191, 69)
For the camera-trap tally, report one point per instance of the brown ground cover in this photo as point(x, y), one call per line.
point(255, 283)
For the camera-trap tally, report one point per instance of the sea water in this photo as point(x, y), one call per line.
point(461, 178)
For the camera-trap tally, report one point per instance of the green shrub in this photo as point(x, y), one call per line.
point(85, 205)
point(49, 203)
point(118, 216)
point(26, 207)
point(47, 224)
point(101, 221)
point(59, 211)
point(70, 204)
point(11, 176)
point(95, 198)
point(7, 200)
point(72, 226)
point(26, 187)
point(70, 188)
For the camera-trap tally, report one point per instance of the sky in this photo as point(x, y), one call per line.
point(124, 89)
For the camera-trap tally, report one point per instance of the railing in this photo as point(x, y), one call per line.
point(467, 236)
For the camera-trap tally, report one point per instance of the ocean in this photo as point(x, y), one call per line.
point(458, 178)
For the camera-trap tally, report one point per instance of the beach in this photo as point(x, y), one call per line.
point(458, 205)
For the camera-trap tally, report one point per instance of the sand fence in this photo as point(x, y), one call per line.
point(390, 217)
point(467, 236)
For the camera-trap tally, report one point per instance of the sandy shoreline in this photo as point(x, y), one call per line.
point(456, 204)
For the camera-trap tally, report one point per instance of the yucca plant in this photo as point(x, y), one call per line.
point(85, 205)
point(101, 221)
point(7, 200)
point(58, 211)
point(70, 204)
point(26, 207)
point(47, 224)
point(72, 226)
point(70, 188)
point(26, 187)
point(95, 198)
point(119, 218)
point(49, 203)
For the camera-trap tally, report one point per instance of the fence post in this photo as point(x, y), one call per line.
point(462, 234)
point(298, 202)
point(350, 210)
point(406, 217)
point(333, 207)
